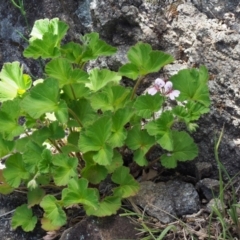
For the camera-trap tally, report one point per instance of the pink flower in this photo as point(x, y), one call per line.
point(165, 88)
point(168, 91)
point(157, 86)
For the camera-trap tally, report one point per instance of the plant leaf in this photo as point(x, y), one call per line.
point(43, 26)
point(139, 53)
point(5, 146)
point(43, 98)
point(15, 170)
point(72, 143)
point(56, 130)
point(9, 115)
point(35, 196)
point(192, 84)
point(184, 149)
point(78, 192)
point(161, 128)
point(95, 139)
point(99, 78)
point(195, 110)
point(84, 111)
point(45, 163)
point(191, 111)
point(128, 185)
point(117, 161)
point(13, 82)
point(20, 144)
point(157, 59)
point(47, 225)
point(44, 48)
point(46, 36)
point(119, 133)
point(140, 141)
point(96, 47)
point(28, 222)
point(64, 168)
point(145, 60)
point(32, 156)
point(72, 52)
point(94, 173)
point(5, 188)
point(41, 135)
point(53, 211)
point(111, 98)
point(108, 206)
point(62, 112)
point(61, 69)
point(76, 91)
point(129, 70)
point(146, 105)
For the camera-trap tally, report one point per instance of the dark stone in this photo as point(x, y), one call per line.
point(209, 187)
point(164, 200)
point(203, 170)
point(107, 228)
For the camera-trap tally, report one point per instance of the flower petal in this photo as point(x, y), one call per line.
point(159, 82)
point(173, 94)
point(168, 87)
point(152, 91)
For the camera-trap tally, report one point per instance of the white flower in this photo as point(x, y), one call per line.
point(168, 91)
point(165, 88)
point(157, 87)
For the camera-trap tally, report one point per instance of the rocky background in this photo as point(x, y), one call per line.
point(195, 32)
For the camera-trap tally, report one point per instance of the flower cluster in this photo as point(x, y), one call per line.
point(165, 88)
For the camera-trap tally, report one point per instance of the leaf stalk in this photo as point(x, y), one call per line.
point(136, 86)
point(75, 116)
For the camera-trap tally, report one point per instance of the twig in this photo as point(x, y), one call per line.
point(134, 206)
point(4, 214)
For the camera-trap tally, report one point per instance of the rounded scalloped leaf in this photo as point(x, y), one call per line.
point(13, 82)
point(128, 185)
point(28, 222)
point(184, 149)
point(192, 84)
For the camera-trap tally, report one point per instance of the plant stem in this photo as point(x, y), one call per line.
point(216, 146)
point(22, 36)
point(136, 86)
point(81, 66)
point(73, 93)
point(55, 145)
point(152, 163)
point(20, 6)
point(75, 116)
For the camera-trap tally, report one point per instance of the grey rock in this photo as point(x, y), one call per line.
point(84, 14)
point(213, 43)
point(203, 170)
point(122, 22)
point(209, 187)
point(113, 227)
point(174, 68)
point(167, 200)
point(217, 8)
point(215, 203)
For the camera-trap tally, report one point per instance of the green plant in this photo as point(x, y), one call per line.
point(20, 5)
point(226, 213)
point(68, 133)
